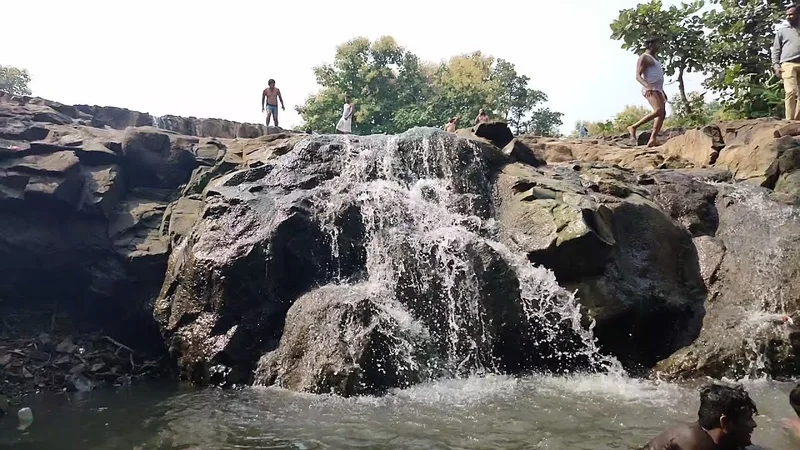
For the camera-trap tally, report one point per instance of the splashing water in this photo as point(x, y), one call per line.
point(766, 299)
point(424, 202)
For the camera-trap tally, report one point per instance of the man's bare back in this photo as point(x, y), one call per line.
point(683, 437)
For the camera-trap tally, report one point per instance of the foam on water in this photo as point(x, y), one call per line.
point(582, 412)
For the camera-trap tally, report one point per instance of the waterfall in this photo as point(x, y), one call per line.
point(159, 122)
point(756, 286)
point(433, 249)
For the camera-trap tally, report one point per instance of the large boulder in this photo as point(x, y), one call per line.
point(555, 151)
point(635, 270)
point(155, 159)
point(344, 340)
point(751, 149)
point(89, 214)
point(385, 212)
point(219, 128)
point(751, 270)
point(700, 146)
point(687, 200)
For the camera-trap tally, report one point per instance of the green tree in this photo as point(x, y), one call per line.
point(629, 116)
point(394, 91)
point(514, 100)
point(619, 124)
point(683, 47)
point(462, 86)
point(14, 81)
point(739, 65)
point(380, 76)
point(544, 122)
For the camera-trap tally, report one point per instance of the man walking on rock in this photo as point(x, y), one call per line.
point(650, 74)
point(271, 95)
point(786, 61)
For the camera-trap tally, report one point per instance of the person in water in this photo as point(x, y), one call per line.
point(452, 125)
point(345, 124)
point(482, 117)
point(271, 95)
point(786, 61)
point(650, 74)
point(725, 422)
point(793, 425)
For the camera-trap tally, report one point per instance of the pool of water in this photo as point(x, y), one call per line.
point(584, 412)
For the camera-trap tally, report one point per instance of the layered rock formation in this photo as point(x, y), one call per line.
point(354, 265)
point(46, 111)
point(745, 232)
point(86, 205)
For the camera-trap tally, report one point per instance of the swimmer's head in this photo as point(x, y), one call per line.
point(727, 413)
point(794, 399)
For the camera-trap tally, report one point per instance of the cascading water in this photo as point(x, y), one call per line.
point(772, 300)
point(432, 250)
point(756, 296)
point(158, 122)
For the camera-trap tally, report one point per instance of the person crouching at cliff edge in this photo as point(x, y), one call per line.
point(482, 117)
point(725, 422)
point(650, 74)
point(452, 125)
point(271, 95)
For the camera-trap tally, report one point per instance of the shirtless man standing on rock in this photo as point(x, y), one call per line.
point(725, 422)
point(271, 95)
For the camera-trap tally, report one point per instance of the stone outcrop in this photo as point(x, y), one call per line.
point(750, 266)
point(765, 152)
point(39, 110)
point(353, 265)
point(86, 211)
point(271, 233)
point(699, 147)
point(594, 226)
point(555, 151)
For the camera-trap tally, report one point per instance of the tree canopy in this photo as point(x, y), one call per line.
point(14, 81)
point(393, 90)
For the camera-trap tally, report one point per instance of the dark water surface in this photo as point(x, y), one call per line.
point(587, 412)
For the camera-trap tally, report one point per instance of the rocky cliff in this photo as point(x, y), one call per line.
point(358, 264)
point(90, 198)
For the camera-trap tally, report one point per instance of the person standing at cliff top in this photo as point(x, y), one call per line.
point(725, 422)
point(452, 125)
point(271, 95)
point(345, 124)
point(650, 74)
point(786, 61)
point(482, 117)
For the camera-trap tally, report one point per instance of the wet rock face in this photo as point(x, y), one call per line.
point(633, 267)
point(401, 213)
point(83, 207)
point(25, 110)
point(341, 340)
point(751, 270)
point(690, 202)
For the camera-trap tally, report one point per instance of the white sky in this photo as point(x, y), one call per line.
point(212, 59)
